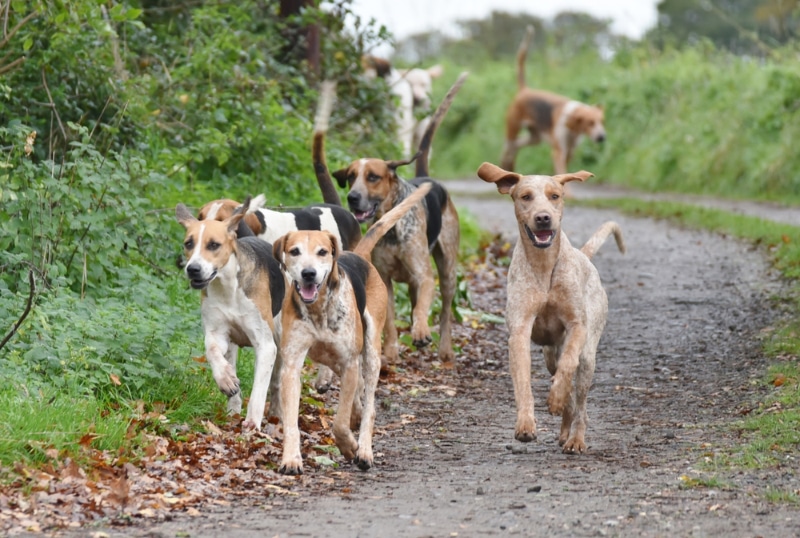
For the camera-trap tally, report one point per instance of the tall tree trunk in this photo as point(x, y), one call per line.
point(302, 42)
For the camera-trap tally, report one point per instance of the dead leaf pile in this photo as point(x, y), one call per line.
point(181, 470)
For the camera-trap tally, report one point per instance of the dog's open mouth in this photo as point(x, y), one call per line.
point(199, 284)
point(541, 238)
point(364, 216)
point(308, 291)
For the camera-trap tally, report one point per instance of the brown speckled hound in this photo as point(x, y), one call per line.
point(404, 254)
point(333, 313)
point(555, 298)
point(558, 120)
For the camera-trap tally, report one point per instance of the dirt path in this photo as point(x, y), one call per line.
point(677, 363)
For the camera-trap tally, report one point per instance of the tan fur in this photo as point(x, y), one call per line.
point(555, 299)
point(556, 119)
point(323, 322)
point(375, 188)
point(225, 209)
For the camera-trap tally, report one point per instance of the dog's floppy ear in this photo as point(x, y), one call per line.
point(502, 179)
point(184, 216)
point(394, 165)
point(583, 175)
point(341, 177)
point(435, 71)
point(333, 278)
point(277, 250)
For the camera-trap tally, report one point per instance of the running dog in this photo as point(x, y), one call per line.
point(413, 88)
point(242, 294)
point(559, 120)
point(555, 299)
point(403, 255)
point(333, 313)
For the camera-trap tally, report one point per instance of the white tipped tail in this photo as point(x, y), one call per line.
point(327, 96)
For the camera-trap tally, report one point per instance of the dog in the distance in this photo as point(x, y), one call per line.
point(413, 88)
point(334, 312)
point(555, 299)
point(269, 225)
point(403, 255)
point(559, 120)
point(242, 294)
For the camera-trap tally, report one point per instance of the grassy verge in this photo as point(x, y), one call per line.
point(771, 431)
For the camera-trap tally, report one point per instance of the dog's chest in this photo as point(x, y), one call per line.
point(237, 316)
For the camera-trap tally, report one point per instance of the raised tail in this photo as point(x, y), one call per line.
point(327, 96)
point(599, 237)
point(389, 219)
point(436, 119)
point(522, 53)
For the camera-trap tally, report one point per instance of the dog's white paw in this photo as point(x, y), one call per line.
point(227, 381)
point(291, 466)
point(364, 462)
point(251, 424)
point(235, 404)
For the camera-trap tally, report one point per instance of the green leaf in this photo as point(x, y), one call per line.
point(27, 44)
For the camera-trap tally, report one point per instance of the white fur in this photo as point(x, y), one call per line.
point(561, 132)
point(408, 85)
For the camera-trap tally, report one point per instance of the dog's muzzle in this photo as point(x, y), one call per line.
point(540, 238)
point(195, 275)
point(308, 288)
point(361, 208)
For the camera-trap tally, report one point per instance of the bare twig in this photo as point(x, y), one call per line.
point(119, 66)
point(27, 311)
point(53, 105)
point(14, 30)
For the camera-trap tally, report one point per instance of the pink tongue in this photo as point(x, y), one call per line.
point(308, 291)
point(542, 236)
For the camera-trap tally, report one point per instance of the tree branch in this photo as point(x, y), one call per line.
point(27, 311)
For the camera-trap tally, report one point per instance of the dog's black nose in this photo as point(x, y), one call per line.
point(308, 274)
point(354, 199)
point(542, 220)
point(193, 271)
point(601, 138)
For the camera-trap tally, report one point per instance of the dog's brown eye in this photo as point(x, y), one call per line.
point(372, 178)
point(294, 252)
point(189, 245)
point(527, 197)
point(212, 246)
point(322, 252)
point(554, 197)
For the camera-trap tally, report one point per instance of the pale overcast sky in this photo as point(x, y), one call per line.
point(403, 18)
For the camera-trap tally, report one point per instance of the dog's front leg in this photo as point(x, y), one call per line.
point(561, 388)
point(421, 292)
point(341, 423)
point(293, 354)
point(371, 370)
point(520, 317)
point(266, 352)
point(234, 401)
point(218, 352)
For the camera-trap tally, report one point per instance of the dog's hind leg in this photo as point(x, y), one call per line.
point(390, 347)
point(446, 266)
